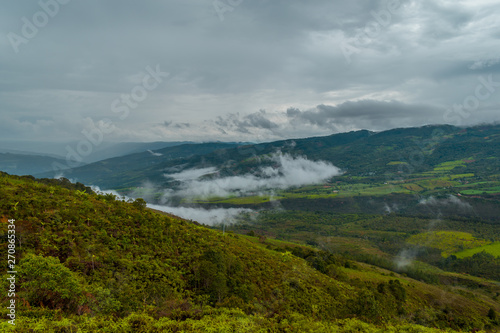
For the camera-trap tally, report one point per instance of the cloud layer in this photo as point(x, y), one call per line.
point(279, 171)
point(265, 70)
point(451, 200)
point(286, 171)
point(213, 216)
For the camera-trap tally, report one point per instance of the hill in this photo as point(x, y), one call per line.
point(26, 164)
point(392, 171)
point(381, 157)
point(133, 169)
point(100, 149)
point(87, 262)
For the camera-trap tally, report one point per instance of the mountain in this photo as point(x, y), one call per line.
point(131, 170)
point(359, 154)
point(26, 164)
point(91, 263)
point(126, 148)
point(101, 151)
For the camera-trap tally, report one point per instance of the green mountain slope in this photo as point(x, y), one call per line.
point(23, 164)
point(133, 169)
point(93, 263)
point(381, 156)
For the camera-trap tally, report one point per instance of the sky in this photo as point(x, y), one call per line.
point(242, 70)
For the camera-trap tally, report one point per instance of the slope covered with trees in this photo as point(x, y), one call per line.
point(89, 262)
point(378, 156)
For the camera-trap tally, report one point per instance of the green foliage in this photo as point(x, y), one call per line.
point(44, 281)
point(394, 288)
point(493, 249)
point(480, 264)
point(97, 264)
point(220, 320)
point(492, 314)
point(447, 241)
point(140, 203)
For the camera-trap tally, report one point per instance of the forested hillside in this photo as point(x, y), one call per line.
point(380, 157)
point(91, 263)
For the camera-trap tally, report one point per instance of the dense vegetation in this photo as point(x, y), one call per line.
point(406, 240)
point(89, 262)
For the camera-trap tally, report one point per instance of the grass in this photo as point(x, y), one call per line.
point(453, 164)
point(413, 187)
point(493, 249)
point(449, 242)
point(474, 184)
point(463, 175)
point(431, 184)
point(494, 190)
point(339, 244)
point(326, 191)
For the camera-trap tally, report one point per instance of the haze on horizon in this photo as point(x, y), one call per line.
point(243, 70)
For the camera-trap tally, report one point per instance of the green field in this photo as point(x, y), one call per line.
point(493, 249)
point(449, 177)
point(492, 190)
point(448, 242)
point(432, 184)
point(463, 175)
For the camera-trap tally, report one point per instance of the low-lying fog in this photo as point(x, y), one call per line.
point(286, 172)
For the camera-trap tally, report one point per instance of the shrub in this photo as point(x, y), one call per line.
point(45, 281)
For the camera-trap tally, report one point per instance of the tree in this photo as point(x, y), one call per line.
point(45, 281)
point(140, 203)
point(492, 314)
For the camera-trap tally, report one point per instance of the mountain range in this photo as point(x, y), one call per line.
point(359, 153)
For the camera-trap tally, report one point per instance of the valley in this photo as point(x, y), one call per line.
point(321, 234)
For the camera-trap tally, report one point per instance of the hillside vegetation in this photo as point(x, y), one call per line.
point(91, 263)
point(409, 160)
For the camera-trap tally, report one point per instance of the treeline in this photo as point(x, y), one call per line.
point(480, 264)
point(61, 182)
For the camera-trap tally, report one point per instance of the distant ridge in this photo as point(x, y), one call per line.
point(359, 153)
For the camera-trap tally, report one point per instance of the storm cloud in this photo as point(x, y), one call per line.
point(377, 115)
point(264, 70)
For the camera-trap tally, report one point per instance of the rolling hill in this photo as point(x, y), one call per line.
point(133, 169)
point(359, 154)
point(26, 164)
point(88, 262)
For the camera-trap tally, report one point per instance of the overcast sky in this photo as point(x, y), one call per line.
point(243, 70)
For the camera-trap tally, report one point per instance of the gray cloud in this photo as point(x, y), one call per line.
point(376, 115)
point(264, 55)
point(481, 64)
point(244, 124)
